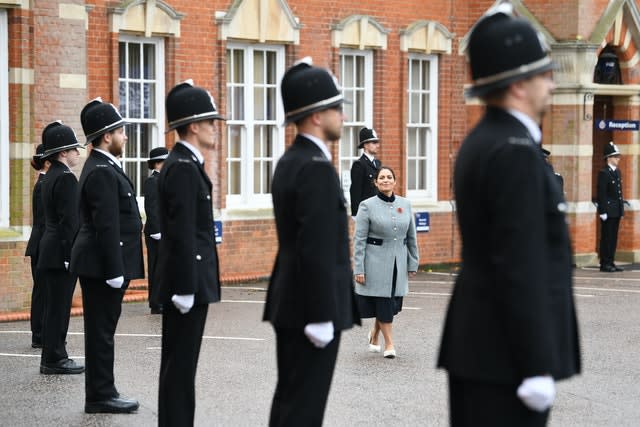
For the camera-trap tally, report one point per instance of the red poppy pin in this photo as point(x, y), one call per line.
point(399, 210)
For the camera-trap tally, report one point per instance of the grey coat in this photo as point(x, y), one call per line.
point(385, 231)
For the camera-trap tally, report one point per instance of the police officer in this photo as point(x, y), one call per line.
point(510, 330)
point(37, 230)
point(59, 200)
point(187, 272)
point(546, 153)
point(610, 208)
point(310, 298)
point(107, 253)
point(152, 234)
point(364, 169)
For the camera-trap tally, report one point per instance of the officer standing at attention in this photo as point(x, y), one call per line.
point(310, 299)
point(610, 208)
point(107, 253)
point(37, 230)
point(152, 234)
point(60, 203)
point(364, 169)
point(187, 272)
point(510, 330)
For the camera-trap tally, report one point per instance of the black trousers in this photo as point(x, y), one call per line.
point(304, 379)
point(181, 340)
point(102, 306)
point(59, 286)
point(152, 260)
point(473, 404)
point(38, 301)
point(608, 240)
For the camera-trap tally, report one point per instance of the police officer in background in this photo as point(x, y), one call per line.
point(37, 230)
point(310, 299)
point(59, 200)
point(364, 169)
point(559, 178)
point(152, 234)
point(107, 253)
point(187, 273)
point(510, 330)
point(610, 208)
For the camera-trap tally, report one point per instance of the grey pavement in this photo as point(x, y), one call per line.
point(237, 370)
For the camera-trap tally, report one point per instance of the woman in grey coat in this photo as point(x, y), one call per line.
point(385, 255)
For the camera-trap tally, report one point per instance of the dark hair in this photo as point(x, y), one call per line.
point(182, 130)
point(375, 178)
point(37, 163)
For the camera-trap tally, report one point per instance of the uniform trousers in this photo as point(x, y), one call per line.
point(608, 240)
point(102, 307)
point(152, 260)
point(475, 403)
point(181, 340)
point(38, 301)
point(59, 287)
point(304, 379)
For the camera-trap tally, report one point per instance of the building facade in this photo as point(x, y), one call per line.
point(400, 63)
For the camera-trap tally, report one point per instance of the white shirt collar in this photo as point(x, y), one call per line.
point(110, 156)
point(613, 167)
point(369, 156)
point(528, 122)
point(194, 150)
point(321, 145)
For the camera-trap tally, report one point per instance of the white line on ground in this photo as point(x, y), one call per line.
point(245, 288)
point(244, 301)
point(632, 291)
point(32, 355)
point(208, 337)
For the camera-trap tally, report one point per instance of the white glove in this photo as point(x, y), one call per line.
point(353, 218)
point(156, 236)
point(603, 217)
point(537, 393)
point(183, 302)
point(320, 334)
point(116, 282)
point(66, 265)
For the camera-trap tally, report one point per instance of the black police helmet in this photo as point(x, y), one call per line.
point(98, 118)
point(367, 135)
point(57, 137)
point(187, 103)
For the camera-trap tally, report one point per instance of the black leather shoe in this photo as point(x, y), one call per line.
point(156, 310)
point(617, 268)
point(62, 367)
point(114, 405)
point(608, 269)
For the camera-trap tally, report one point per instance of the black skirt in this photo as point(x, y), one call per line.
point(382, 308)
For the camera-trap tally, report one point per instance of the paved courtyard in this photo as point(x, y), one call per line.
point(237, 374)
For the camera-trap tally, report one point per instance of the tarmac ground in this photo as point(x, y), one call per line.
point(237, 368)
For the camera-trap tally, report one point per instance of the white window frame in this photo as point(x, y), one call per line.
point(430, 192)
point(4, 121)
point(157, 137)
point(353, 139)
point(248, 199)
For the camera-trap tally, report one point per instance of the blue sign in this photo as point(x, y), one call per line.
point(422, 221)
point(618, 124)
point(218, 231)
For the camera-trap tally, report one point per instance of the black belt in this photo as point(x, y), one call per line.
point(374, 241)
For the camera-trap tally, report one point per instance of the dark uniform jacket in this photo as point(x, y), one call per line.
point(152, 225)
point(363, 172)
point(109, 243)
point(610, 193)
point(311, 281)
point(512, 314)
point(60, 202)
point(37, 212)
point(187, 255)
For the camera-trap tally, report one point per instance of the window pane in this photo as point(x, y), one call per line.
point(415, 108)
point(122, 57)
point(234, 177)
point(131, 147)
point(348, 106)
point(348, 71)
point(122, 95)
point(258, 103)
point(134, 100)
point(145, 139)
point(258, 67)
point(238, 65)
point(235, 139)
point(257, 141)
point(238, 103)
point(134, 61)
point(271, 68)
point(149, 100)
point(411, 175)
point(425, 75)
point(359, 105)
point(149, 61)
point(359, 71)
point(425, 109)
point(424, 139)
point(271, 103)
point(411, 143)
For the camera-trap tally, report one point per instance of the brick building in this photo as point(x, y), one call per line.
point(401, 63)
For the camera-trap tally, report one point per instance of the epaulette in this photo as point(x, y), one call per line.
point(67, 171)
point(518, 141)
point(184, 160)
point(101, 165)
point(319, 159)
